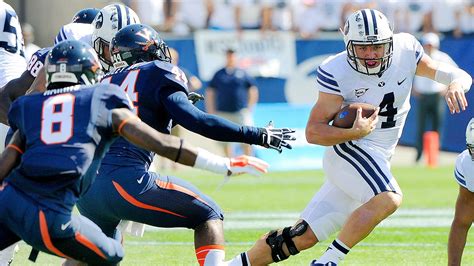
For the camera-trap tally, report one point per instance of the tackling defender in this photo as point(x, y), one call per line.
point(464, 214)
point(125, 188)
point(74, 126)
point(378, 68)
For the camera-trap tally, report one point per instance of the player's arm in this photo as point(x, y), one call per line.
point(11, 156)
point(39, 84)
point(458, 81)
point(129, 126)
point(217, 128)
point(318, 130)
point(12, 90)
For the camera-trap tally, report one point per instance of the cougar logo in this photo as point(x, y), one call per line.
point(360, 92)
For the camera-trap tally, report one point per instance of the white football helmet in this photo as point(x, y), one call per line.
point(108, 21)
point(368, 27)
point(470, 137)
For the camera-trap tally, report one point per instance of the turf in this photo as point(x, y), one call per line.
point(424, 189)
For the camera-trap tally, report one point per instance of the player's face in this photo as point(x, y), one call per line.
point(370, 53)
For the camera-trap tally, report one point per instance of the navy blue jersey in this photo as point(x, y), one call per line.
point(143, 83)
point(66, 134)
point(36, 62)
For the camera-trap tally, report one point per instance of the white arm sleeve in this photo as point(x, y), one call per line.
point(211, 162)
point(447, 74)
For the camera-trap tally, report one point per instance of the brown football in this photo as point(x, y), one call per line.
point(346, 116)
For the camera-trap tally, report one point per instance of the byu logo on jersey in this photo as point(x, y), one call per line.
point(360, 92)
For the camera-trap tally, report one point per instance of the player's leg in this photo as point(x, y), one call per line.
point(463, 218)
point(363, 174)
point(78, 238)
point(323, 216)
point(164, 201)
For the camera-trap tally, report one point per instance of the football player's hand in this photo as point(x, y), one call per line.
point(276, 138)
point(246, 165)
point(195, 97)
point(363, 126)
point(455, 98)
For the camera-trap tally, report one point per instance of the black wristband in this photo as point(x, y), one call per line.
point(179, 151)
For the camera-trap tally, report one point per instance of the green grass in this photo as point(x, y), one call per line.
point(290, 191)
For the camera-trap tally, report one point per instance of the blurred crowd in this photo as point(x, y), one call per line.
point(307, 18)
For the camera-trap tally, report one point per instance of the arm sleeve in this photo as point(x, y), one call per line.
point(326, 82)
point(210, 126)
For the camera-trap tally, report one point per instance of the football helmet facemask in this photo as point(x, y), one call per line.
point(109, 21)
point(368, 27)
point(70, 63)
point(138, 43)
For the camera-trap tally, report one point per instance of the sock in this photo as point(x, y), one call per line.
point(6, 255)
point(335, 252)
point(210, 255)
point(240, 260)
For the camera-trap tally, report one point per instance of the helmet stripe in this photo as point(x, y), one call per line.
point(127, 13)
point(366, 23)
point(374, 21)
point(119, 13)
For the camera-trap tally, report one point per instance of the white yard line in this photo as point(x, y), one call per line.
point(268, 220)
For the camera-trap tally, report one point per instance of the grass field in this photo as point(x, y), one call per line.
point(416, 234)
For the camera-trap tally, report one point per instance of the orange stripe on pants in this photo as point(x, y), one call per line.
point(46, 238)
point(139, 204)
point(86, 242)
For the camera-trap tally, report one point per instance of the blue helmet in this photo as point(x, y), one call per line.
point(85, 15)
point(70, 63)
point(138, 43)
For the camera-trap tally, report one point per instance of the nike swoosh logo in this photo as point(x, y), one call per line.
point(400, 82)
point(64, 226)
point(140, 180)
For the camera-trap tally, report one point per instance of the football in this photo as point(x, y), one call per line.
point(346, 116)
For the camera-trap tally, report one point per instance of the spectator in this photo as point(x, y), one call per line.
point(191, 15)
point(308, 21)
point(159, 14)
point(29, 38)
point(430, 93)
point(232, 94)
point(445, 18)
point(222, 14)
point(467, 18)
point(277, 15)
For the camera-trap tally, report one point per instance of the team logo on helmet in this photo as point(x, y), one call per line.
point(99, 21)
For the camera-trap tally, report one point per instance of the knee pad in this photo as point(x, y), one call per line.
point(275, 240)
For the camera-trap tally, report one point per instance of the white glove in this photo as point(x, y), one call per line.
point(247, 165)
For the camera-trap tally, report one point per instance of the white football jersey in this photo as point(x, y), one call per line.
point(464, 171)
point(12, 50)
point(75, 31)
point(391, 91)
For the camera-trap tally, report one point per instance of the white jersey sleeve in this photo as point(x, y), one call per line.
point(464, 170)
point(325, 80)
point(75, 31)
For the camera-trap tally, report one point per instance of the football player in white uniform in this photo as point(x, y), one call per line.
point(12, 52)
point(12, 65)
point(464, 215)
point(378, 68)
